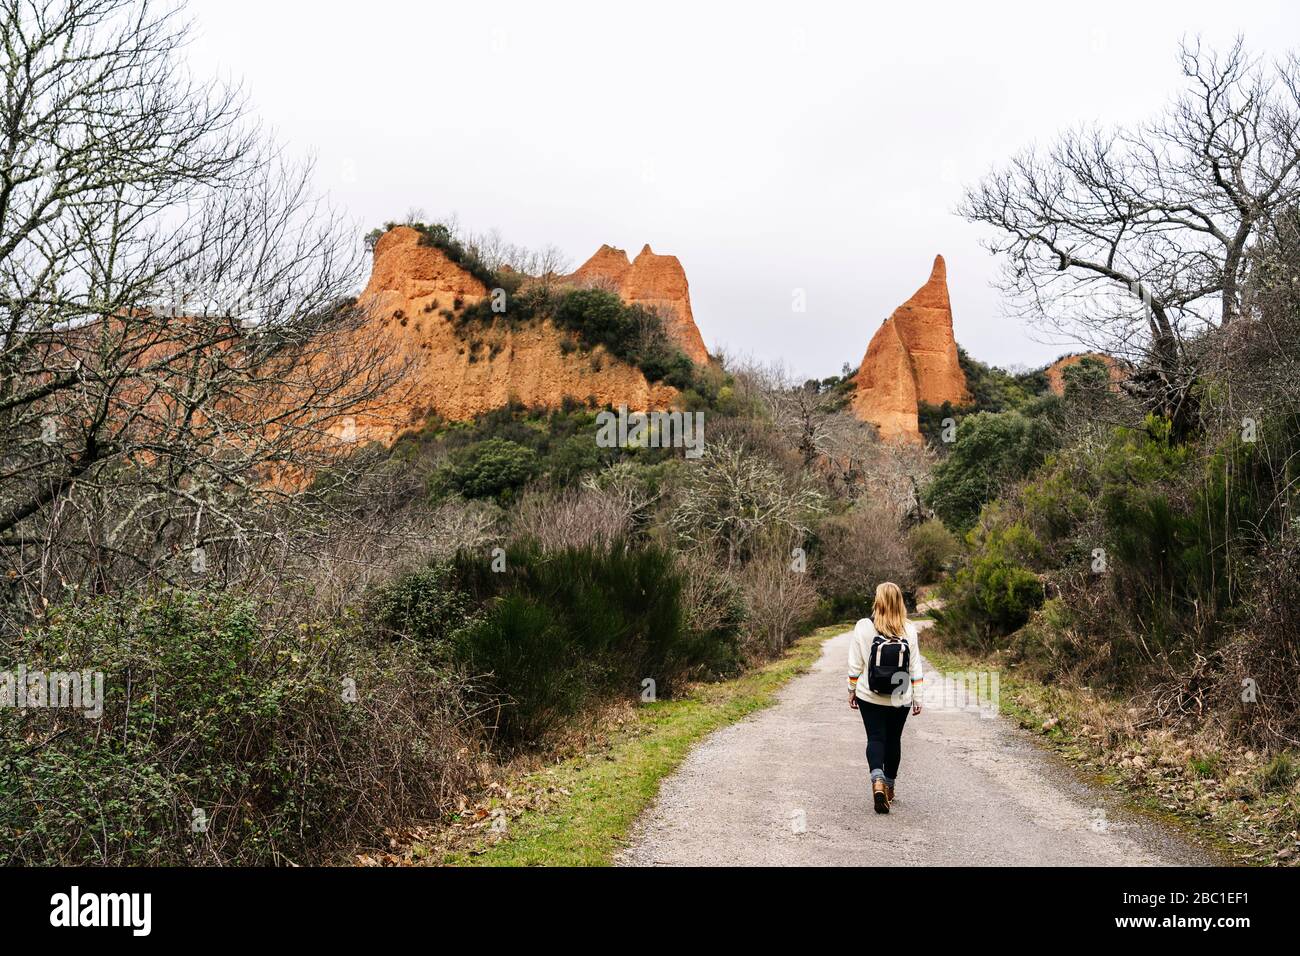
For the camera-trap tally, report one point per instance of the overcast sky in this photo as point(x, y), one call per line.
point(772, 148)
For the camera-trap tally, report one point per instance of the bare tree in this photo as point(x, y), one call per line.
point(778, 602)
point(549, 263)
point(736, 501)
point(802, 413)
point(176, 345)
point(1135, 240)
point(496, 253)
point(862, 547)
point(608, 506)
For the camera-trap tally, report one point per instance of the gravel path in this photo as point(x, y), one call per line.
point(789, 786)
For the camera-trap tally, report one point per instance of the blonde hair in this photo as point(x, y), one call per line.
point(889, 613)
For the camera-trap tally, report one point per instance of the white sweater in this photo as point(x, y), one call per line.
point(864, 632)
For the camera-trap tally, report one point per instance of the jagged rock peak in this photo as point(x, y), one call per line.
point(655, 281)
point(912, 358)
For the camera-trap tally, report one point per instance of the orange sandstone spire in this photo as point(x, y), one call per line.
point(655, 281)
point(912, 358)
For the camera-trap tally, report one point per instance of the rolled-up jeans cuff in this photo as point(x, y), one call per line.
point(878, 775)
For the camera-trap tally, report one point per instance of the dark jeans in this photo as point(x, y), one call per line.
point(884, 735)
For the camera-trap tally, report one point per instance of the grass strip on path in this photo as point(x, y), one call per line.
point(589, 803)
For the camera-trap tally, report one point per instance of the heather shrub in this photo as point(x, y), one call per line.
point(562, 630)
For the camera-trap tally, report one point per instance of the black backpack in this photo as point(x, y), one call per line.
point(890, 657)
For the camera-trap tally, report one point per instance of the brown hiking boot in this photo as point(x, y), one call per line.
point(889, 792)
point(880, 795)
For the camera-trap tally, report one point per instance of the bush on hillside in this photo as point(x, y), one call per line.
point(712, 600)
point(496, 468)
point(1086, 380)
point(443, 237)
point(1150, 542)
point(995, 591)
point(561, 631)
point(599, 319)
point(857, 550)
point(423, 607)
point(995, 390)
point(992, 451)
point(562, 439)
point(932, 548)
point(1052, 648)
point(992, 390)
point(780, 603)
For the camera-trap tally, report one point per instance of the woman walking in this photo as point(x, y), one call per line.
point(884, 649)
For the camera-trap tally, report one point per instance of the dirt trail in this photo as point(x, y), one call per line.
point(971, 790)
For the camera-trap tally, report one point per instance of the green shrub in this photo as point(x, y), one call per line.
point(1085, 381)
point(992, 390)
point(557, 446)
point(632, 333)
point(210, 715)
point(995, 591)
point(565, 629)
point(1061, 498)
point(535, 674)
point(1280, 773)
point(495, 468)
point(424, 607)
point(1207, 766)
point(995, 390)
point(1183, 521)
point(574, 457)
point(992, 450)
point(1044, 647)
point(933, 548)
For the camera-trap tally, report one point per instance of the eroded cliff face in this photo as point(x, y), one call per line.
point(460, 374)
point(912, 358)
point(654, 281)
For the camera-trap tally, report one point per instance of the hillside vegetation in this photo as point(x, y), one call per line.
point(290, 646)
point(1134, 549)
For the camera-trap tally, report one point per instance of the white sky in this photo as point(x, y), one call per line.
point(813, 146)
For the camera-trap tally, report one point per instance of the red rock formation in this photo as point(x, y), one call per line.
point(1056, 371)
point(657, 282)
point(912, 358)
point(606, 269)
point(886, 386)
point(410, 285)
